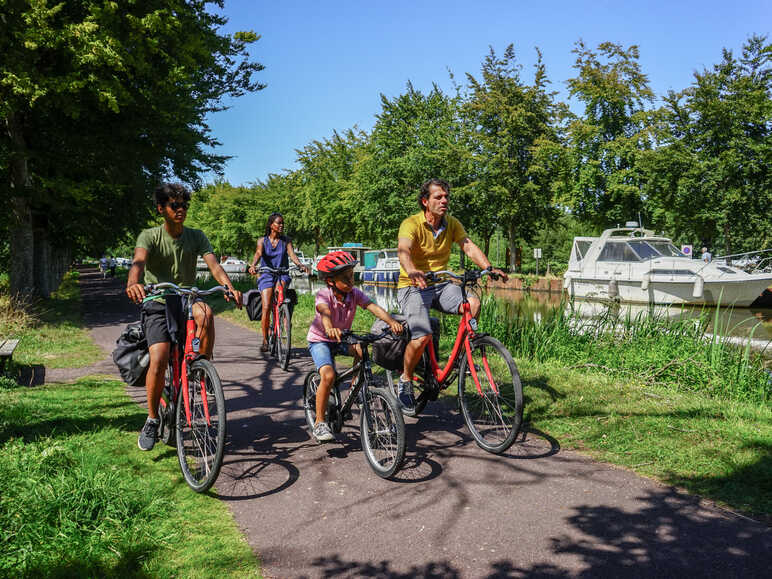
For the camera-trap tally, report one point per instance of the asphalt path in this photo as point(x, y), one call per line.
point(311, 510)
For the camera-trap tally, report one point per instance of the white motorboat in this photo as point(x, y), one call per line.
point(633, 264)
point(385, 270)
point(233, 265)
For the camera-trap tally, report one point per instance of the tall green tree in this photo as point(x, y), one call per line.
point(710, 181)
point(99, 102)
point(606, 180)
point(416, 137)
point(512, 136)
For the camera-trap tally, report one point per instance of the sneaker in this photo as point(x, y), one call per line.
point(149, 434)
point(322, 432)
point(406, 397)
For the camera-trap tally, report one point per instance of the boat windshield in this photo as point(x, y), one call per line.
point(652, 249)
point(666, 248)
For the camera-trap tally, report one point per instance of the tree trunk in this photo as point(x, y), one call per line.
point(43, 272)
point(22, 276)
point(511, 232)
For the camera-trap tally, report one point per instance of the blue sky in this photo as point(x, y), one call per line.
point(327, 62)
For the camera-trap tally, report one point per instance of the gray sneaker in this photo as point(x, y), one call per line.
point(322, 432)
point(149, 434)
point(406, 396)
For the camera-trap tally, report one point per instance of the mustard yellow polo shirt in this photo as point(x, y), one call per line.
point(429, 253)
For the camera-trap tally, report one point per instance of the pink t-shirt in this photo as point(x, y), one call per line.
point(342, 313)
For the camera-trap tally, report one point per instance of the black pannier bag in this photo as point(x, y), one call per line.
point(389, 351)
point(131, 354)
point(252, 301)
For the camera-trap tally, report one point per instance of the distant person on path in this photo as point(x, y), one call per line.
point(424, 243)
point(336, 306)
point(113, 265)
point(103, 266)
point(168, 253)
point(274, 250)
point(706, 255)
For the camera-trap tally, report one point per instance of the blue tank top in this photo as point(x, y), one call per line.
point(275, 256)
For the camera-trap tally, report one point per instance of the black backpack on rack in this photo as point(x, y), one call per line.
point(389, 351)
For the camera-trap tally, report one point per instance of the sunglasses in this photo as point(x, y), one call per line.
point(178, 205)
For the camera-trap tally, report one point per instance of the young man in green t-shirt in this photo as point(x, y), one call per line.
point(168, 253)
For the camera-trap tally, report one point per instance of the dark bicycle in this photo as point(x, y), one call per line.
point(280, 326)
point(381, 424)
point(192, 406)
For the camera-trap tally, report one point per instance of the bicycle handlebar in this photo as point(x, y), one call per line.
point(353, 338)
point(273, 270)
point(157, 288)
point(469, 276)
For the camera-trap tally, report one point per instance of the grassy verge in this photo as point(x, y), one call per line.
point(79, 499)
point(700, 420)
point(50, 331)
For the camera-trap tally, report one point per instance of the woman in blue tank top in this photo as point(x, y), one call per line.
point(273, 250)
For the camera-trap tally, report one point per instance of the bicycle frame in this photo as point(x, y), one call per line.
point(464, 335)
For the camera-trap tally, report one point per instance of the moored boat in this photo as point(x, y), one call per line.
point(386, 268)
point(633, 264)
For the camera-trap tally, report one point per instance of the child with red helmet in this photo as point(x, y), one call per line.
point(335, 308)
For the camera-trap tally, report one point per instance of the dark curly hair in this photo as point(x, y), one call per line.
point(166, 191)
point(424, 192)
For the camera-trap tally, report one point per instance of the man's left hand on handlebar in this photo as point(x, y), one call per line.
point(235, 294)
point(136, 293)
point(499, 272)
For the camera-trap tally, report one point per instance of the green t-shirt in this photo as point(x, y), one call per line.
point(170, 259)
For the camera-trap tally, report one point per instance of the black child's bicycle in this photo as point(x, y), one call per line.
point(381, 424)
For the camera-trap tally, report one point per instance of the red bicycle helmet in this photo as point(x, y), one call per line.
point(334, 262)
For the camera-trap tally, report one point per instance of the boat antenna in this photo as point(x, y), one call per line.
point(640, 222)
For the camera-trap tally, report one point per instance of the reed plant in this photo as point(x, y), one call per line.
point(647, 347)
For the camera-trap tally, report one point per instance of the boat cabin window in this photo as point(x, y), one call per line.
point(580, 249)
point(644, 249)
point(666, 249)
point(618, 251)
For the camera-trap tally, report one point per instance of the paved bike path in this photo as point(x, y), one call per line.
point(312, 510)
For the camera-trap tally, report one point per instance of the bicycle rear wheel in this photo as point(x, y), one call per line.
point(383, 432)
point(310, 386)
point(493, 413)
point(201, 444)
point(285, 335)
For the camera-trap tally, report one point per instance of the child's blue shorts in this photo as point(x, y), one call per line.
point(323, 353)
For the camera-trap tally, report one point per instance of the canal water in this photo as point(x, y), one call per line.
point(740, 323)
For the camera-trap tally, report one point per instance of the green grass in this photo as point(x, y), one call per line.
point(79, 499)
point(50, 331)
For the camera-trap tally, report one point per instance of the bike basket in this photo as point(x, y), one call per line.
point(389, 351)
point(253, 303)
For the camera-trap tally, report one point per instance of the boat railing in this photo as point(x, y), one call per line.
point(750, 261)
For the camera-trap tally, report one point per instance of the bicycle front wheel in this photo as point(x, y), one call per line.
point(310, 386)
point(490, 395)
point(285, 335)
point(383, 432)
point(201, 443)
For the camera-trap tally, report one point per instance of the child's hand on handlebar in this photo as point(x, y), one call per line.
point(333, 333)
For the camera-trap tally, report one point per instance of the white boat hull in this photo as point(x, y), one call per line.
point(741, 293)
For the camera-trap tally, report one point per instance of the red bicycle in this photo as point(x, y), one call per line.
point(192, 406)
point(280, 326)
point(490, 393)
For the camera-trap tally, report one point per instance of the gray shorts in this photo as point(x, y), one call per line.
point(415, 303)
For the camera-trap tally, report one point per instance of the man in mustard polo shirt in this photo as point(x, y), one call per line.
point(424, 244)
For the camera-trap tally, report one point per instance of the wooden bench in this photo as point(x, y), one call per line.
point(6, 351)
